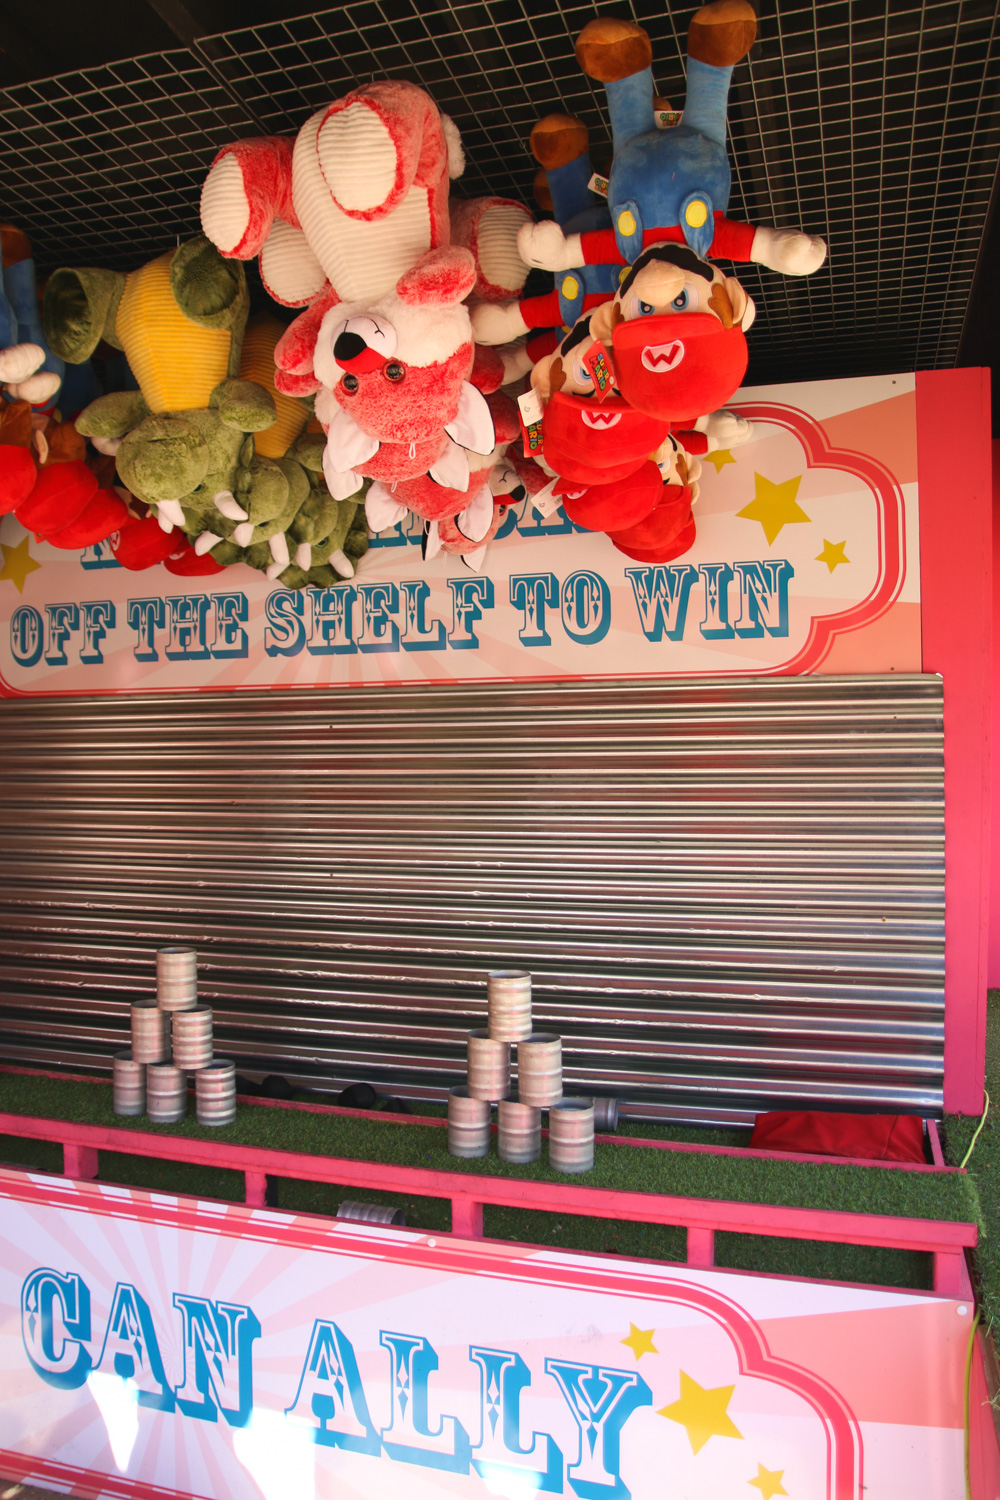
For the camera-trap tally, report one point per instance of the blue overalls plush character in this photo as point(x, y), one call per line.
point(24, 344)
point(670, 185)
point(560, 144)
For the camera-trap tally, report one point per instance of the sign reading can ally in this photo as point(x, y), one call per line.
point(152, 1346)
point(806, 560)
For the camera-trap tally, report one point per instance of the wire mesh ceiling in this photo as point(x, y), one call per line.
point(874, 125)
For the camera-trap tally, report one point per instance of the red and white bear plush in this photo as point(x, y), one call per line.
point(352, 220)
point(341, 213)
point(459, 521)
point(395, 397)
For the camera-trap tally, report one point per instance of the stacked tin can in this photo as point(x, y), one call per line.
point(171, 1037)
point(539, 1086)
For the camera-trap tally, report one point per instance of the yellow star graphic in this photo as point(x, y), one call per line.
point(17, 563)
point(833, 554)
point(768, 1481)
point(640, 1341)
point(701, 1412)
point(774, 505)
point(719, 459)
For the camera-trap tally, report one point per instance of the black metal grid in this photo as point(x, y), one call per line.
point(876, 125)
point(104, 167)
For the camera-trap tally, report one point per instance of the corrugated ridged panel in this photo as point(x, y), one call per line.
point(730, 892)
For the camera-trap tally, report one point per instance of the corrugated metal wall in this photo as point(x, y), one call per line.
point(730, 892)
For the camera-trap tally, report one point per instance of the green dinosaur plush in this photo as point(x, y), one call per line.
point(184, 442)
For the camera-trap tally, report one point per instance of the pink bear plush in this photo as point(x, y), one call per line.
point(343, 212)
point(395, 399)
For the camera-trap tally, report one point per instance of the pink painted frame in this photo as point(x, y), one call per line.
point(956, 588)
point(946, 1240)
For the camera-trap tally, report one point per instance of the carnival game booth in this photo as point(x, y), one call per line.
point(351, 862)
point(449, 629)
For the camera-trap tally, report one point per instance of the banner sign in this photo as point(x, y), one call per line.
point(806, 560)
point(152, 1346)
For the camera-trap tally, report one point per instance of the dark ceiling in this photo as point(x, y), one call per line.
point(874, 124)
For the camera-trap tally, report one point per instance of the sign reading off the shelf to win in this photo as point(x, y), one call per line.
point(806, 560)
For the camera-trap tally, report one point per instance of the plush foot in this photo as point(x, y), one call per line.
point(541, 192)
point(722, 33)
point(609, 49)
point(497, 323)
point(558, 139)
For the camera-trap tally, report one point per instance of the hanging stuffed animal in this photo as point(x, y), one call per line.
point(346, 210)
point(667, 185)
point(28, 368)
point(459, 521)
point(396, 399)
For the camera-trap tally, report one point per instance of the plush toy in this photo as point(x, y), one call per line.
point(28, 368)
point(664, 185)
point(51, 484)
point(396, 398)
point(460, 521)
point(346, 210)
point(206, 442)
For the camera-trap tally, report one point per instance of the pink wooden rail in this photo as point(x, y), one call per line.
point(702, 1217)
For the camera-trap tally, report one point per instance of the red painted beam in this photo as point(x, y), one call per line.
point(933, 1235)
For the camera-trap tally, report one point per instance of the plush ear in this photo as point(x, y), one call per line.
point(293, 353)
point(506, 422)
point(740, 303)
point(438, 279)
point(602, 322)
point(209, 290)
point(472, 426)
point(79, 309)
point(451, 470)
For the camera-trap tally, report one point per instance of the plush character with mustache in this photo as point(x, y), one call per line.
point(667, 184)
point(670, 184)
point(675, 334)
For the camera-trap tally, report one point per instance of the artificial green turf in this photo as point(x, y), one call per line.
point(984, 1168)
point(916, 1195)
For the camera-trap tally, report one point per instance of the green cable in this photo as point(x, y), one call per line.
point(968, 1381)
point(979, 1127)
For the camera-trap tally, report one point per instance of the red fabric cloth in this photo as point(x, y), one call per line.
point(731, 241)
point(822, 1133)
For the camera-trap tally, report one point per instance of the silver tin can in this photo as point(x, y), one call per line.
point(150, 1032)
point(489, 1067)
point(192, 1038)
point(468, 1124)
point(539, 1070)
point(176, 978)
point(508, 1003)
point(215, 1092)
point(166, 1093)
point(519, 1131)
point(605, 1116)
point(571, 1135)
point(371, 1213)
point(128, 1085)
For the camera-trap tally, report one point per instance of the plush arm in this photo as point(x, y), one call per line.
point(248, 185)
point(244, 405)
point(788, 250)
